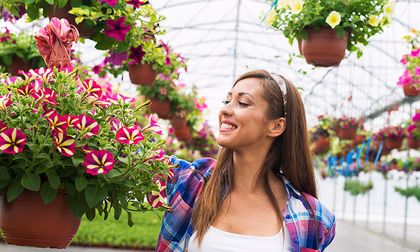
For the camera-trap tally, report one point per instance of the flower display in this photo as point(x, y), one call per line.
point(411, 61)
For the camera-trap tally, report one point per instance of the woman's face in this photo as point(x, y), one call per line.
point(243, 118)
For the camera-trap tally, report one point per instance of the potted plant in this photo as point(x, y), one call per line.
point(324, 29)
point(205, 142)
point(413, 132)
point(356, 187)
point(410, 79)
point(392, 136)
point(346, 127)
point(68, 149)
point(320, 134)
point(19, 52)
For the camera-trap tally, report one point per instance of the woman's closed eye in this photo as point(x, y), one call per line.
point(242, 104)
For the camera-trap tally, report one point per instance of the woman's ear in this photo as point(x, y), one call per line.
point(276, 127)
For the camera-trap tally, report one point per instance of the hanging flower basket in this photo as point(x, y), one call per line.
point(142, 74)
point(183, 134)
point(323, 47)
point(411, 90)
point(413, 143)
point(178, 122)
point(393, 143)
point(27, 221)
point(162, 108)
point(322, 144)
point(346, 133)
point(54, 11)
point(358, 139)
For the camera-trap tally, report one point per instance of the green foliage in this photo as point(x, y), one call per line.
point(162, 90)
point(409, 192)
point(356, 187)
point(293, 18)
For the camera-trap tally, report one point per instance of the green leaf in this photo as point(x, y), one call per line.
point(78, 20)
point(77, 204)
point(4, 173)
point(359, 53)
point(70, 189)
point(90, 214)
point(53, 178)
point(81, 183)
point(113, 173)
point(104, 43)
point(48, 193)
point(4, 183)
point(61, 3)
point(31, 181)
point(50, 2)
point(14, 190)
point(77, 160)
point(95, 194)
point(7, 59)
point(33, 11)
point(123, 160)
point(130, 219)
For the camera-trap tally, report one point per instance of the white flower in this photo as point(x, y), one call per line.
point(333, 19)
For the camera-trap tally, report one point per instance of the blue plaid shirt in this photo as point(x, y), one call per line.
point(307, 234)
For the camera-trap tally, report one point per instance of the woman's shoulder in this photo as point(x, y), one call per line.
point(322, 213)
point(203, 165)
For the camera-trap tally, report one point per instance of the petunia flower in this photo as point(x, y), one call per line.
point(45, 75)
point(416, 117)
point(5, 102)
point(157, 155)
point(130, 135)
point(117, 29)
point(333, 19)
point(45, 95)
point(65, 144)
point(12, 141)
point(136, 3)
point(115, 124)
point(136, 54)
point(92, 87)
point(153, 126)
point(158, 198)
point(88, 124)
point(200, 104)
point(58, 123)
point(72, 120)
point(111, 3)
point(415, 52)
point(405, 78)
point(116, 59)
point(27, 89)
point(99, 162)
point(3, 126)
point(296, 6)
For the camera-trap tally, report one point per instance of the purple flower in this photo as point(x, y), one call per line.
point(136, 54)
point(116, 59)
point(99, 162)
point(117, 29)
point(136, 3)
point(111, 3)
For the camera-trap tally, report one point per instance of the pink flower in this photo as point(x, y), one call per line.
point(45, 75)
point(27, 89)
point(65, 144)
point(416, 52)
point(405, 79)
point(157, 155)
point(417, 71)
point(200, 104)
point(115, 124)
point(99, 162)
point(111, 3)
point(45, 95)
point(72, 120)
point(416, 117)
point(92, 87)
point(163, 91)
point(12, 141)
point(86, 149)
point(58, 123)
point(403, 60)
point(3, 126)
point(5, 102)
point(88, 125)
point(153, 126)
point(136, 3)
point(158, 198)
point(117, 29)
point(130, 135)
point(10, 80)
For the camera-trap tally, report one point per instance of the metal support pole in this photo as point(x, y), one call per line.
point(344, 199)
point(406, 186)
point(334, 194)
point(385, 204)
point(354, 209)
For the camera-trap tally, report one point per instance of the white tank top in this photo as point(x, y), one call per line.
point(216, 240)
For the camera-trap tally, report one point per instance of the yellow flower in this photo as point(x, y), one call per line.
point(296, 6)
point(389, 8)
point(271, 17)
point(373, 20)
point(333, 19)
point(283, 4)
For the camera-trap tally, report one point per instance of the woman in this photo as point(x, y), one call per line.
point(261, 193)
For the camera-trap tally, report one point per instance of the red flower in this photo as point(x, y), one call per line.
point(5, 102)
point(117, 29)
point(111, 3)
point(92, 87)
point(45, 95)
point(115, 124)
point(158, 198)
point(65, 144)
point(99, 162)
point(57, 122)
point(72, 120)
point(3, 126)
point(88, 124)
point(12, 141)
point(27, 89)
point(136, 3)
point(130, 135)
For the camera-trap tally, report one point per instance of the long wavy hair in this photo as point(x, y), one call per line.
point(289, 155)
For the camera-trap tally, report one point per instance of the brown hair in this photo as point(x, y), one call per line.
point(289, 154)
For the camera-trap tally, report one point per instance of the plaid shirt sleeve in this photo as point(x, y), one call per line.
point(182, 190)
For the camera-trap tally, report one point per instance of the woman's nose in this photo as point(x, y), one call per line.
point(227, 109)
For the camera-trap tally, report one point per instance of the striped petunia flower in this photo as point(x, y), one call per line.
point(88, 124)
point(45, 95)
point(58, 123)
point(27, 89)
point(72, 120)
point(158, 198)
point(12, 141)
point(156, 155)
point(92, 87)
point(130, 135)
point(5, 102)
point(115, 124)
point(3, 126)
point(43, 74)
point(99, 162)
point(153, 126)
point(66, 145)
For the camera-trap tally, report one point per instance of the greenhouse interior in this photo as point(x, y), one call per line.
point(209, 125)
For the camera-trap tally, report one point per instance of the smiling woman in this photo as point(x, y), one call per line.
point(260, 195)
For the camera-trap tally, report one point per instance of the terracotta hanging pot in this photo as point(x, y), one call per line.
point(183, 134)
point(27, 221)
point(178, 122)
point(54, 11)
point(411, 90)
point(142, 74)
point(358, 140)
point(413, 143)
point(19, 64)
point(393, 143)
point(162, 108)
point(348, 133)
point(323, 47)
point(322, 144)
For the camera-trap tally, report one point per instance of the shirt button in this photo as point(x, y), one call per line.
point(288, 217)
point(296, 240)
